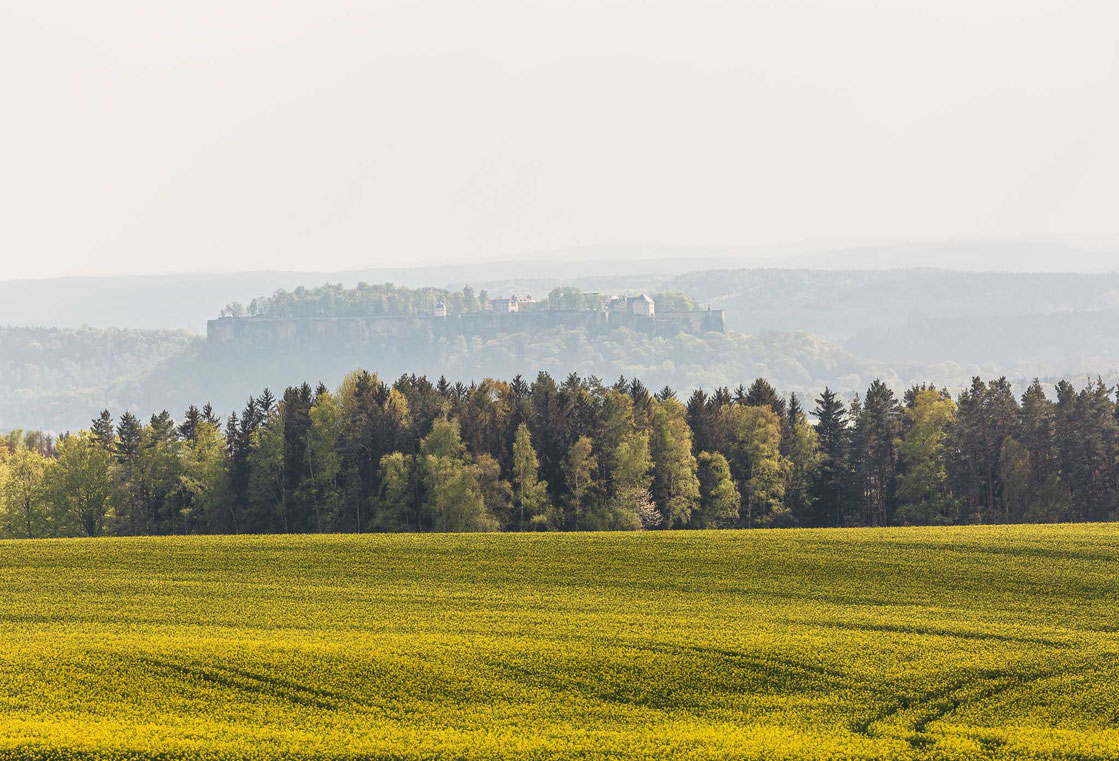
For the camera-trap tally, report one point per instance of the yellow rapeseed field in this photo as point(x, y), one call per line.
point(955, 643)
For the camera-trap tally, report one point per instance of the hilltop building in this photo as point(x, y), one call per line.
point(511, 304)
point(641, 305)
point(512, 314)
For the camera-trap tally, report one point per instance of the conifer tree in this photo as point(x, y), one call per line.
point(877, 428)
point(832, 485)
point(763, 394)
point(987, 415)
point(192, 420)
point(102, 431)
point(127, 451)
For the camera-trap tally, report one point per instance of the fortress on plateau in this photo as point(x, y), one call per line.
point(512, 314)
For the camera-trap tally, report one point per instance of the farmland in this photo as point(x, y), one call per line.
point(969, 642)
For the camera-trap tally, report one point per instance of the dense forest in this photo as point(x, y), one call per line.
point(572, 455)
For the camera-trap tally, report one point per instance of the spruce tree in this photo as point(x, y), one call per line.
point(192, 420)
point(101, 431)
point(762, 394)
point(832, 484)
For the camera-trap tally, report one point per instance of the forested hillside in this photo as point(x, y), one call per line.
point(573, 454)
point(1051, 324)
point(219, 374)
point(901, 326)
point(837, 304)
point(177, 369)
point(52, 377)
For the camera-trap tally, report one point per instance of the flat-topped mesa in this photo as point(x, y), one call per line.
point(513, 314)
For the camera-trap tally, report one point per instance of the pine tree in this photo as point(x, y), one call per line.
point(192, 420)
point(1037, 418)
point(699, 420)
point(832, 484)
point(101, 431)
point(127, 452)
point(762, 394)
point(987, 415)
point(296, 406)
point(877, 428)
point(266, 402)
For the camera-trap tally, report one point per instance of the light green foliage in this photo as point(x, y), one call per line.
point(79, 492)
point(454, 498)
point(951, 644)
point(922, 487)
point(22, 471)
point(756, 462)
point(674, 301)
point(497, 493)
point(268, 495)
point(204, 481)
point(397, 492)
point(675, 482)
point(530, 495)
point(324, 461)
point(631, 505)
point(444, 440)
point(719, 497)
point(579, 466)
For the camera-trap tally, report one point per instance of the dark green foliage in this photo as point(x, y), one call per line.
point(583, 455)
point(877, 425)
point(832, 487)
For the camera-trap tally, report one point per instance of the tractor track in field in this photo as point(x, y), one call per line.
point(962, 691)
point(256, 683)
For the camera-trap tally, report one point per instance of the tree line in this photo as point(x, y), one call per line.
point(576, 454)
point(334, 300)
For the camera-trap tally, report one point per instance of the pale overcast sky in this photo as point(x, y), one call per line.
point(226, 134)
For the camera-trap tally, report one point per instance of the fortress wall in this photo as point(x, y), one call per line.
point(641, 323)
point(693, 322)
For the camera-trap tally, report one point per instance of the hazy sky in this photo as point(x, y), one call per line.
point(164, 136)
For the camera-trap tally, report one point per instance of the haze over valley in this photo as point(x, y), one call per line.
point(136, 342)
